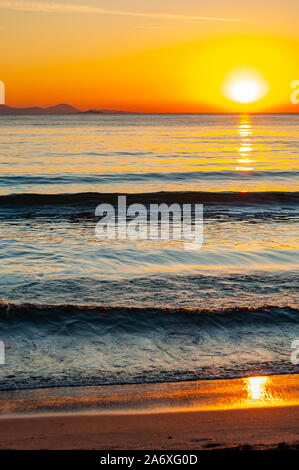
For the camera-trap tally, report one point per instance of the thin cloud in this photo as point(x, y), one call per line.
point(155, 26)
point(67, 8)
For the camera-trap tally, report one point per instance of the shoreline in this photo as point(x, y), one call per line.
point(259, 412)
point(200, 395)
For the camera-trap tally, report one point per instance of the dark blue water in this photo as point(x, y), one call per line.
point(78, 311)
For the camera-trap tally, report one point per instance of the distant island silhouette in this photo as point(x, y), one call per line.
point(57, 109)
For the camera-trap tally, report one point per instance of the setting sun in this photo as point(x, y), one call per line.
point(149, 253)
point(244, 87)
point(245, 91)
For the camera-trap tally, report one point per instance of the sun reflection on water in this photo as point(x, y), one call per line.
point(245, 131)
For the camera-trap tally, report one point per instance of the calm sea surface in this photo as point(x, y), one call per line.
point(79, 311)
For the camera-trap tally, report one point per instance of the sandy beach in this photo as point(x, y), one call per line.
point(261, 428)
point(261, 412)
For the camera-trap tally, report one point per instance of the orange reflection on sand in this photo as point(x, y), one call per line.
point(256, 387)
point(203, 395)
point(261, 392)
point(251, 392)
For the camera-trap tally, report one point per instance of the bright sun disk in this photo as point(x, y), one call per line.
point(244, 86)
point(245, 91)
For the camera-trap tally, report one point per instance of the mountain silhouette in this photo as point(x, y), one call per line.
point(58, 109)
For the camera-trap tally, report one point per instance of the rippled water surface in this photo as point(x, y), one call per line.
point(77, 310)
point(135, 153)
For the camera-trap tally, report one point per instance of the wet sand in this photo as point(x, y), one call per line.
point(261, 412)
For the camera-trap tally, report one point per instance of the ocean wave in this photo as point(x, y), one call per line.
point(12, 312)
point(47, 179)
point(68, 345)
point(182, 197)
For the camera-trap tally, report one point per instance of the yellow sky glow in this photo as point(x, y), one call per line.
point(220, 59)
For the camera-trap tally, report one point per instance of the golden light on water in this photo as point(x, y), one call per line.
point(244, 168)
point(245, 131)
point(243, 149)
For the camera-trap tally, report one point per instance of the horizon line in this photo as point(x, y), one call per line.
point(121, 111)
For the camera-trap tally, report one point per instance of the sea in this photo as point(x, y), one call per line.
point(77, 310)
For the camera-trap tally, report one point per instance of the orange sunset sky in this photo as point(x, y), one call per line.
point(169, 56)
